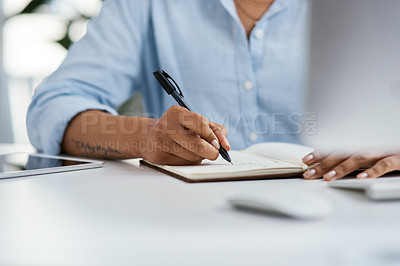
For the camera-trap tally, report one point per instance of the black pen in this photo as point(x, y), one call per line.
point(164, 80)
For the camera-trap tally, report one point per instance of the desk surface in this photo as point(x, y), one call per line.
point(124, 215)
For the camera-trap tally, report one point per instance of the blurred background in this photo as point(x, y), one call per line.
point(34, 38)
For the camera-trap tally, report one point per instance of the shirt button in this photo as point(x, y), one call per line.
point(248, 85)
point(253, 137)
point(259, 34)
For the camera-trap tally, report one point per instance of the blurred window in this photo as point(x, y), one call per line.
point(30, 48)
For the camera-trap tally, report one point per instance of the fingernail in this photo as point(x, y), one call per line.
point(216, 144)
point(310, 173)
point(308, 158)
point(362, 176)
point(229, 146)
point(330, 174)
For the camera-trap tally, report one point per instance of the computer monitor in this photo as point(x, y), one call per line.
point(354, 73)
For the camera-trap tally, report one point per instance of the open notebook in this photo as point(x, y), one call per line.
point(260, 161)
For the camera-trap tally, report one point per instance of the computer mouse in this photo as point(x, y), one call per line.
point(294, 203)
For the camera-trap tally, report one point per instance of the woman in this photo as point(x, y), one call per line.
point(239, 63)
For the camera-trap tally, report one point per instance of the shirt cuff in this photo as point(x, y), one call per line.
point(46, 124)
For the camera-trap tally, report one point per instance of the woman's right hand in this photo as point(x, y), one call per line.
point(182, 137)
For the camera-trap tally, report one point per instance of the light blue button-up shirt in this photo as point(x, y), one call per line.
point(252, 86)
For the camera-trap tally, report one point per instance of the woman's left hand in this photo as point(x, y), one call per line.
point(335, 166)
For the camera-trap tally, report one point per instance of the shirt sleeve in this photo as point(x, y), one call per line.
point(100, 72)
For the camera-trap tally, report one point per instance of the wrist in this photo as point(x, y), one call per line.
point(136, 134)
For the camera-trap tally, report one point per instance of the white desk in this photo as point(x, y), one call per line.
point(121, 215)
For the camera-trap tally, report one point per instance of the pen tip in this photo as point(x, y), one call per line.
point(231, 163)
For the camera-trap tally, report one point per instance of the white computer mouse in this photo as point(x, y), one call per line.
point(294, 203)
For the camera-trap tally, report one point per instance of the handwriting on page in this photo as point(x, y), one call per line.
point(241, 162)
point(238, 165)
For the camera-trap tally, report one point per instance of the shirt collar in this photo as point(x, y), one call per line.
point(229, 5)
point(277, 7)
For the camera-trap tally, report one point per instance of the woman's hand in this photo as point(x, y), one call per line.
point(335, 166)
point(181, 137)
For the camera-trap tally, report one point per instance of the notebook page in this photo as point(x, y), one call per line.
point(288, 152)
point(242, 162)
